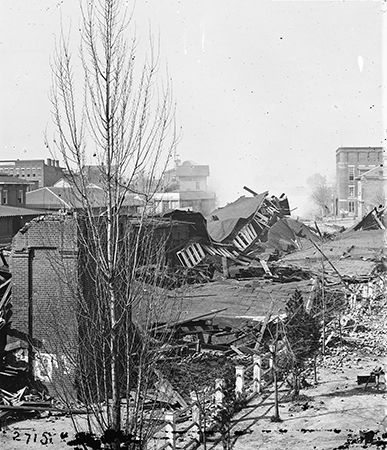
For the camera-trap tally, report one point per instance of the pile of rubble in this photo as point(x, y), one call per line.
point(241, 265)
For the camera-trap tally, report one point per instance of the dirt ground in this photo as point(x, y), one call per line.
point(327, 415)
point(336, 408)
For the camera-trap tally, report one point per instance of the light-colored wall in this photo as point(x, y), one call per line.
point(193, 183)
point(165, 201)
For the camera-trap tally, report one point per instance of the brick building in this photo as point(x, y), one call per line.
point(354, 166)
point(13, 190)
point(36, 171)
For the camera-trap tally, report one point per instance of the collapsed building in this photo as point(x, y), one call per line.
point(230, 231)
point(253, 239)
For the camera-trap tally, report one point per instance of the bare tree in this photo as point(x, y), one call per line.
point(322, 193)
point(377, 199)
point(301, 333)
point(124, 124)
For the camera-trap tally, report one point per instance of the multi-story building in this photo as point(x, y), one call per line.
point(13, 213)
point(13, 191)
point(190, 181)
point(356, 189)
point(36, 171)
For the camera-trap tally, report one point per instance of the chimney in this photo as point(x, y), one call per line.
point(48, 161)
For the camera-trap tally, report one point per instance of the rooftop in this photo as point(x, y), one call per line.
point(358, 149)
point(240, 301)
point(223, 221)
point(69, 197)
point(11, 211)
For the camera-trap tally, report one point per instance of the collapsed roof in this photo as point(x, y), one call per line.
point(223, 221)
point(353, 254)
point(374, 220)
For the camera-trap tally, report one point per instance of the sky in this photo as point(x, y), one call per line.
point(266, 91)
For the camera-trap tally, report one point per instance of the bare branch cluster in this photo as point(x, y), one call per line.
point(124, 123)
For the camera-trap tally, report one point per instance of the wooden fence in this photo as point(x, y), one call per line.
point(244, 390)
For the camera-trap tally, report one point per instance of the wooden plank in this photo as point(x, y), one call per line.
point(41, 408)
point(5, 284)
point(192, 319)
point(5, 297)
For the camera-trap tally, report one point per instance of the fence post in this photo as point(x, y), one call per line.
point(219, 382)
point(271, 348)
point(195, 416)
point(257, 374)
point(239, 381)
point(170, 429)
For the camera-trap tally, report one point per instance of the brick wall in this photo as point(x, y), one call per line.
point(44, 267)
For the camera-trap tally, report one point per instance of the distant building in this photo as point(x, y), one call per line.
point(36, 171)
point(13, 191)
point(359, 179)
point(190, 181)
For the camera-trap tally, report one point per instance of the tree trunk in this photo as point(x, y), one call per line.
point(226, 437)
point(116, 401)
point(296, 386)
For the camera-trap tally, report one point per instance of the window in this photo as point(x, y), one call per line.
point(351, 173)
point(198, 185)
point(351, 206)
point(4, 197)
point(20, 196)
point(351, 192)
